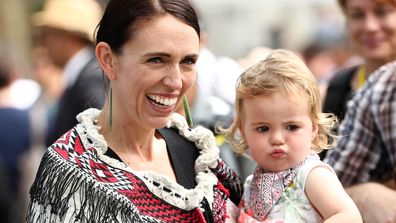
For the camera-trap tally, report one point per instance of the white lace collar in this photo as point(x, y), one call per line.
point(203, 139)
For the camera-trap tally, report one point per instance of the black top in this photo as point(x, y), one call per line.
point(339, 92)
point(182, 154)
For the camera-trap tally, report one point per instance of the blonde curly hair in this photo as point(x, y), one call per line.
point(285, 72)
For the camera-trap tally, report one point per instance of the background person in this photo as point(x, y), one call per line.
point(371, 27)
point(67, 28)
point(14, 141)
point(364, 155)
point(41, 113)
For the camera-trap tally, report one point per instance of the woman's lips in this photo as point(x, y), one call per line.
point(372, 42)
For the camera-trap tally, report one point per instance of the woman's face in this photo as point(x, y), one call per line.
point(372, 28)
point(154, 71)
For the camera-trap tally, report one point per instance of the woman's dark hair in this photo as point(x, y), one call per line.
point(122, 17)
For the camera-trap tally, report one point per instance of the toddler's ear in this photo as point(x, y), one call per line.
point(242, 130)
point(315, 130)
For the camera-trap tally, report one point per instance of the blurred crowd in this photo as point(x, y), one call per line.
point(37, 107)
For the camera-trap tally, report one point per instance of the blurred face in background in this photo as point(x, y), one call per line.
point(55, 40)
point(372, 28)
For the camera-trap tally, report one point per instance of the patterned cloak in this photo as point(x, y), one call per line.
point(77, 182)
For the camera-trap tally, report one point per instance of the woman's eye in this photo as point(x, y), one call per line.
point(155, 60)
point(262, 129)
point(356, 15)
point(383, 11)
point(292, 127)
point(190, 61)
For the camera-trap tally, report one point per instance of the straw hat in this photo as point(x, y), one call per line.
point(77, 16)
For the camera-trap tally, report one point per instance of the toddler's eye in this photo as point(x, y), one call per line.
point(292, 127)
point(262, 129)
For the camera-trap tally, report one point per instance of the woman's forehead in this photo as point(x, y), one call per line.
point(165, 32)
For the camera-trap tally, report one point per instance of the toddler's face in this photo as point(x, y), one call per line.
point(278, 130)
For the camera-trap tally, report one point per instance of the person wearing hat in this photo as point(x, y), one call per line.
point(67, 28)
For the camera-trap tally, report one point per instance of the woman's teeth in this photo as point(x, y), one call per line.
point(163, 100)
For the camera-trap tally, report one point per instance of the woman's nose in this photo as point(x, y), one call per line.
point(173, 78)
point(372, 23)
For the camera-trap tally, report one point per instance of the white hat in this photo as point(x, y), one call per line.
point(77, 16)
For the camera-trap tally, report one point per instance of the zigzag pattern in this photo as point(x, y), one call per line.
point(117, 182)
point(149, 204)
point(219, 204)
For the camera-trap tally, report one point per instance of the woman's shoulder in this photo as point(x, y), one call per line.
point(78, 147)
point(70, 151)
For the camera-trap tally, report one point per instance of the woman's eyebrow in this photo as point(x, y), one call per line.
point(162, 54)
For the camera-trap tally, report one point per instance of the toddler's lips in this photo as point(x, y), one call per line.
point(278, 154)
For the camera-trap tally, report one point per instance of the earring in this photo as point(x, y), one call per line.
point(111, 108)
point(187, 112)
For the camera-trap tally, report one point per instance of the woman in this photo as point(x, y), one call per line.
point(371, 26)
point(135, 160)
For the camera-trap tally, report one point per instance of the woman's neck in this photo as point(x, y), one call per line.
point(139, 148)
point(126, 137)
point(371, 66)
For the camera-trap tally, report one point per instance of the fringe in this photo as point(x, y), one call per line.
point(62, 193)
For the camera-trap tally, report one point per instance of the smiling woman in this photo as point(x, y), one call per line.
point(371, 27)
point(148, 71)
point(136, 160)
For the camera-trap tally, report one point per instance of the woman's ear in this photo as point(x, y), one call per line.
point(106, 59)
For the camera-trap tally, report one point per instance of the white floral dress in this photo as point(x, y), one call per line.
point(293, 205)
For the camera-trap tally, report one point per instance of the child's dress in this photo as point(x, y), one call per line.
point(280, 197)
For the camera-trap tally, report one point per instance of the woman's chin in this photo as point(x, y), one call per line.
point(378, 55)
